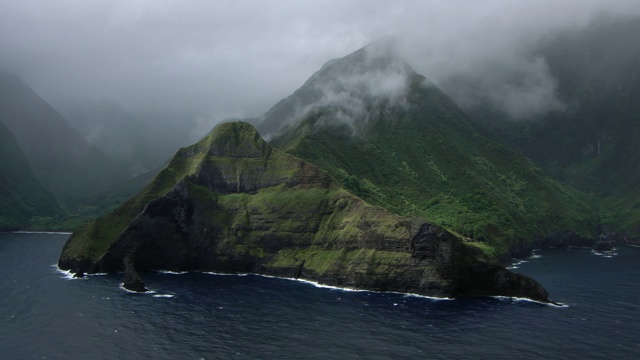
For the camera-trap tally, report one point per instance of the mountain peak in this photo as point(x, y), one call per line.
point(373, 73)
point(379, 56)
point(235, 140)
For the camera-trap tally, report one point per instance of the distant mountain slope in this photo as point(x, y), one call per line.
point(61, 160)
point(397, 141)
point(21, 196)
point(592, 144)
point(138, 141)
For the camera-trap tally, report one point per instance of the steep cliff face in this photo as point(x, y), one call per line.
point(232, 203)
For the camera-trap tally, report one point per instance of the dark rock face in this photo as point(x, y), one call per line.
point(485, 278)
point(131, 280)
point(522, 248)
point(603, 246)
point(566, 238)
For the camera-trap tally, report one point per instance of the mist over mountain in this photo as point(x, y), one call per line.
point(235, 60)
point(351, 84)
point(139, 141)
point(602, 52)
point(61, 160)
point(590, 142)
point(22, 198)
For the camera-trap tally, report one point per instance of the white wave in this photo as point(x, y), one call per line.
point(43, 232)
point(66, 274)
point(226, 274)
point(605, 254)
point(422, 296)
point(319, 285)
point(516, 264)
point(316, 284)
point(520, 299)
point(171, 272)
point(148, 292)
point(153, 293)
point(348, 289)
point(325, 286)
point(163, 296)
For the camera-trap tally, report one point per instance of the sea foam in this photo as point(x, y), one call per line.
point(43, 232)
point(521, 299)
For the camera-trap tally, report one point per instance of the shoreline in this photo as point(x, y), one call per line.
point(40, 232)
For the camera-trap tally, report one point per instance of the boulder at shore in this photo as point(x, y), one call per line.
point(131, 280)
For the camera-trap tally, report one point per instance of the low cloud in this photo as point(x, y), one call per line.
point(346, 87)
point(524, 90)
point(242, 57)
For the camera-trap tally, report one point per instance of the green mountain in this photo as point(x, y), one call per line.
point(394, 139)
point(23, 201)
point(232, 203)
point(592, 143)
point(64, 163)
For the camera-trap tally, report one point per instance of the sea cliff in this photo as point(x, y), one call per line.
point(232, 203)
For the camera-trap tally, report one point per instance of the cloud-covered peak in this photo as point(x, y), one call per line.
point(377, 70)
point(374, 73)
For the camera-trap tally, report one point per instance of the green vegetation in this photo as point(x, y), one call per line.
point(322, 261)
point(427, 159)
point(592, 144)
point(241, 157)
point(284, 203)
point(232, 203)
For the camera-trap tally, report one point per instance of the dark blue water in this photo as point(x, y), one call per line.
point(203, 316)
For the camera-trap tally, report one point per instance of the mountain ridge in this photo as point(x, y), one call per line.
point(232, 203)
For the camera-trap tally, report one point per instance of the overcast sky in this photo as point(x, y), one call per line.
point(237, 58)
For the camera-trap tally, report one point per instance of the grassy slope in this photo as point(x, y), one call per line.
point(309, 227)
point(429, 160)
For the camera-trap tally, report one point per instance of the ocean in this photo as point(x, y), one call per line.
point(46, 315)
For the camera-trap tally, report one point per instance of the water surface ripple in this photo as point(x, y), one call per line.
point(44, 315)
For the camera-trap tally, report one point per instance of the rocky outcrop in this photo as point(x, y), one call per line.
point(603, 246)
point(131, 280)
point(244, 207)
